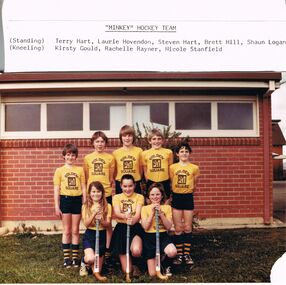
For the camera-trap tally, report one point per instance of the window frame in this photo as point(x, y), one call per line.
point(128, 100)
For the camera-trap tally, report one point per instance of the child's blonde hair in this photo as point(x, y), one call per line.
point(155, 132)
point(103, 202)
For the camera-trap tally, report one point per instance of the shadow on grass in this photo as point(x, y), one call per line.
point(245, 255)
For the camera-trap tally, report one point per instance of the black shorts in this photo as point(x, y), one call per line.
point(149, 244)
point(109, 199)
point(71, 204)
point(118, 240)
point(183, 201)
point(88, 240)
point(165, 183)
point(118, 189)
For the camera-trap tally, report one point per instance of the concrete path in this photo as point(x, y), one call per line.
point(279, 200)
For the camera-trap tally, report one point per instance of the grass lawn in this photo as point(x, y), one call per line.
point(241, 255)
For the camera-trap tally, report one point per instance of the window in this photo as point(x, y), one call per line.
point(22, 117)
point(235, 116)
point(156, 114)
point(107, 116)
point(195, 116)
point(64, 117)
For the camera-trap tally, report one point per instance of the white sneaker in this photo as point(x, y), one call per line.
point(83, 270)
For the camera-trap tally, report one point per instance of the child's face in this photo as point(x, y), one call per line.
point(70, 158)
point(95, 194)
point(156, 142)
point(155, 196)
point(127, 187)
point(127, 140)
point(99, 144)
point(183, 154)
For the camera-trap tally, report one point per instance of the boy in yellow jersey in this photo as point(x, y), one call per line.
point(184, 176)
point(99, 166)
point(69, 195)
point(127, 209)
point(96, 208)
point(157, 196)
point(156, 161)
point(128, 159)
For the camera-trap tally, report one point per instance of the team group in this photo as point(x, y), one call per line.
point(86, 193)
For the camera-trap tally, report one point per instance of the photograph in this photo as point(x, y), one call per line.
point(142, 141)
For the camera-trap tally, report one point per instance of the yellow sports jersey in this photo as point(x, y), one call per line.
point(183, 177)
point(97, 167)
point(70, 180)
point(146, 212)
point(84, 213)
point(127, 204)
point(157, 162)
point(128, 162)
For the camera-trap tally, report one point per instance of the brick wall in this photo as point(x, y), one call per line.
point(231, 182)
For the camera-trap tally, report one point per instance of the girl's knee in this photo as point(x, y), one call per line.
point(171, 250)
point(136, 252)
point(89, 259)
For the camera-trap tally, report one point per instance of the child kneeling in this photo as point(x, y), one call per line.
point(156, 196)
point(96, 208)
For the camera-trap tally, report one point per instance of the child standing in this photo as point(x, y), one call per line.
point(184, 176)
point(128, 159)
point(156, 161)
point(156, 195)
point(69, 195)
point(127, 208)
point(96, 208)
point(99, 166)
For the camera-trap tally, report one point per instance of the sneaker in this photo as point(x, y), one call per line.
point(168, 271)
point(83, 270)
point(178, 260)
point(67, 263)
point(188, 259)
point(75, 263)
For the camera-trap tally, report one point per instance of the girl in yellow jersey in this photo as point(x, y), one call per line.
point(126, 209)
point(96, 208)
point(156, 161)
point(99, 166)
point(156, 195)
point(128, 159)
point(69, 195)
point(184, 176)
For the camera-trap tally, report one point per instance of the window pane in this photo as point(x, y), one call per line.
point(151, 113)
point(65, 117)
point(107, 116)
point(193, 116)
point(22, 118)
point(235, 116)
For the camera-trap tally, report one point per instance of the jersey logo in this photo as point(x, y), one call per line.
point(98, 167)
point(182, 179)
point(71, 181)
point(156, 163)
point(127, 164)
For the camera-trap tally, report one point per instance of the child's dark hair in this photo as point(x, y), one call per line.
point(127, 130)
point(183, 144)
point(98, 134)
point(161, 189)
point(127, 177)
point(70, 148)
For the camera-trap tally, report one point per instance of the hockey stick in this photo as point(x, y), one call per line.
point(96, 258)
point(127, 254)
point(158, 260)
